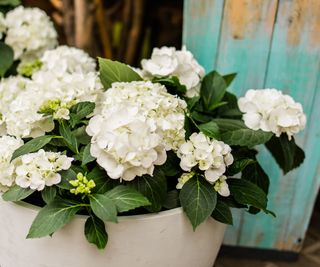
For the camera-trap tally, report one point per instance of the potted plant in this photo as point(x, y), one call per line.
point(146, 162)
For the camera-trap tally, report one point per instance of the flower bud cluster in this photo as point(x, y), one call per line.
point(82, 185)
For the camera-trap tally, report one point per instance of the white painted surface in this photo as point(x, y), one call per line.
point(165, 239)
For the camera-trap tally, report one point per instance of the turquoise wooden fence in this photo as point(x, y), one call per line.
point(271, 44)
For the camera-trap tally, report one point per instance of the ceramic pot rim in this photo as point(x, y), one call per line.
point(151, 216)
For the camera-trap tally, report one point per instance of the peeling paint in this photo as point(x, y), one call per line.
point(296, 20)
point(315, 23)
point(244, 16)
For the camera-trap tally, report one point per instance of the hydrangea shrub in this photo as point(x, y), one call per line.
point(121, 140)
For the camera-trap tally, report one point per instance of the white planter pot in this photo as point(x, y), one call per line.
point(165, 239)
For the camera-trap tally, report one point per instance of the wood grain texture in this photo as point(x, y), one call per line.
point(294, 68)
point(244, 47)
point(245, 41)
point(270, 44)
point(202, 21)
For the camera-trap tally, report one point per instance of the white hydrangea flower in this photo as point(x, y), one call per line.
point(222, 187)
point(163, 62)
point(124, 143)
point(211, 156)
point(22, 118)
point(8, 145)
point(167, 61)
point(24, 98)
point(10, 88)
point(2, 25)
point(272, 111)
point(40, 169)
point(67, 60)
point(185, 177)
point(69, 87)
point(165, 111)
point(30, 32)
point(133, 127)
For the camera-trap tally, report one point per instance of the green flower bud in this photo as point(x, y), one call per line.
point(82, 185)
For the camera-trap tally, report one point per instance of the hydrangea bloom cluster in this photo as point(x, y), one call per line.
point(65, 60)
point(272, 111)
point(30, 32)
point(2, 25)
point(211, 156)
point(23, 100)
point(134, 126)
point(40, 169)
point(167, 61)
point(164, 112)
point(8, 145)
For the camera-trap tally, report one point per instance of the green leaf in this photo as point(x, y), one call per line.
point(32, 146)
point(86, 156)
point(229, 78)
point(7, 58)
point(234, 132)
point(286, 152)
point(81, 135)
point(189, 126)
point(102, 181)
point(218, 105)
point(68, 137)
point(49, 193)
point(80, 111)
point(10, 2)
point(16, 193)
point(126, 198)
point(247, 193)
point(192, 102)
point(114, 71)
point(246, 137)
point(103, 207)
point(67, 176)
point(200, 117)
point(210, 129)
point(222, 213)
point(53, 217)
point(172, 200)
point(239, 165)
point(198, 199)
point(172, 84)
point(255, 174)
point(95, 232)
point(226, 125)
point(83, 109)
point(212, 90)
point(154, 188)
point(231, 109)
point(171, 166)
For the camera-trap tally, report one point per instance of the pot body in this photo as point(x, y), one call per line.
point(165, 239)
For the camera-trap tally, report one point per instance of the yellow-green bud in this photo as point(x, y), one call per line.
point(27, 69)
point(50, 106)
point(185, 177)
point(82, 185)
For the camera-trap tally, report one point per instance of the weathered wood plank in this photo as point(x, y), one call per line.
point(202, 29)
point(293, 67)
point(245, 41)
point(244, 48)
